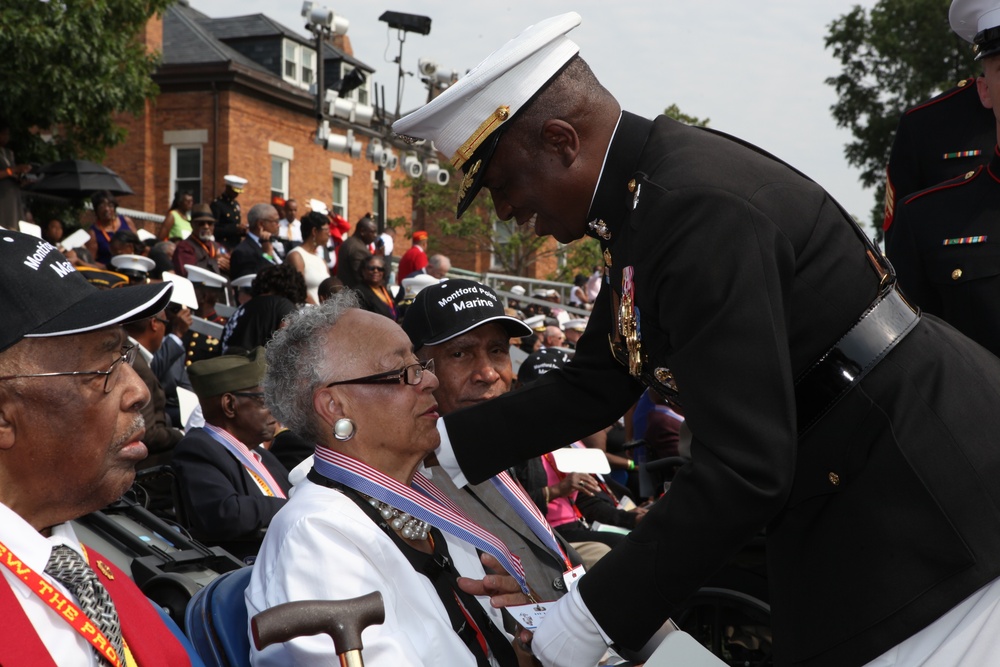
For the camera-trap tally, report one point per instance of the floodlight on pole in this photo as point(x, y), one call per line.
point(435, 174)
point(412, 165)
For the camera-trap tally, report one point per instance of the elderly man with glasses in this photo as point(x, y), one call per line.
point(71, 433)
point(230, 486)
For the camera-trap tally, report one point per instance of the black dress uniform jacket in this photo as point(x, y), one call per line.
point(937, 140)
point(879, 518)
point(946, 251)
point(228, 217)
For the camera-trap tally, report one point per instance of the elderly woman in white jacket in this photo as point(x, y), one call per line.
point(365, 519)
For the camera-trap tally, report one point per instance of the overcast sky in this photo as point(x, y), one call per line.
point(756, 68)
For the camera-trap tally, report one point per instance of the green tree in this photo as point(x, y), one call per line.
point(892, 57)
point(674, 111)
point(68, 68)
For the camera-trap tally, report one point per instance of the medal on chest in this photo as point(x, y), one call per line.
point(626, 340)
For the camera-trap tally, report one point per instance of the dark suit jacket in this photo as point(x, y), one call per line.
point(247, 258)
point(224, 506)
point(879, 519)
point(160, 437)
point(370, 301)
point(543, 569)
point(169, 367)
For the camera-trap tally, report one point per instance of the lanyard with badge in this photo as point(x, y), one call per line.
point(258, 471)
point(65, 608)
point(425, 502)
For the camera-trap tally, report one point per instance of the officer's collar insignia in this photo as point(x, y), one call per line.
point(600, 228)
point(470, 176)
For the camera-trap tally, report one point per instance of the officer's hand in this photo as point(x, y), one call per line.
point(502, 589)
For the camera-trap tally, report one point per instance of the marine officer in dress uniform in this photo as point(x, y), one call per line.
point(821, 407)
point(936, 140)
point(946, 243)
point(208, 287)
point(229, 227)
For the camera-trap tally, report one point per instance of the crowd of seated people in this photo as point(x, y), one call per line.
point(367, 393)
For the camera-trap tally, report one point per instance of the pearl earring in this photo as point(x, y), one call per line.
point(344, 429)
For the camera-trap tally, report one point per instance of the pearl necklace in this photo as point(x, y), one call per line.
point(409, 527)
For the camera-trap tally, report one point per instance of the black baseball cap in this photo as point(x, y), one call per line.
point(451, 308)
point(539, 363)
point(43, 295)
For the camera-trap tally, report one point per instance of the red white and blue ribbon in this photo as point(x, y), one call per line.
point(526, 508)
point(425, 502)
point(254, 466)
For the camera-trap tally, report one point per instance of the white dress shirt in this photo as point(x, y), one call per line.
point(63, 643)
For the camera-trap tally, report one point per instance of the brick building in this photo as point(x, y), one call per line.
point(235, 99)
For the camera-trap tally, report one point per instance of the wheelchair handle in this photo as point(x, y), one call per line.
point(343, 620)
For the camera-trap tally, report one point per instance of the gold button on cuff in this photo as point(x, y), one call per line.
point(956, 274)
point(969, 174)
point(834, 478)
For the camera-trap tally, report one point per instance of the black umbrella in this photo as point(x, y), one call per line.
point(77, 178)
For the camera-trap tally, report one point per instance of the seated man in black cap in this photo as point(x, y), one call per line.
point(70, 436)
point(461, 325)
point(230, 486)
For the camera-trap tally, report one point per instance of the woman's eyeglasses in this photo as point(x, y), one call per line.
point(128, 353)
point(411, 375)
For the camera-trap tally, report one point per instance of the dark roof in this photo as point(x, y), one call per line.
point(252, 25)
point(258, 25)
point(187, 41)
point(330, 52)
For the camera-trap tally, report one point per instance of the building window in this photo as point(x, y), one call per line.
point(308, 66)
point(299, 64)
point(359, 94)
point(185, 171)
point(340, 195)
point(279, 177)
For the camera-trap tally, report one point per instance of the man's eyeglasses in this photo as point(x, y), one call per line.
point(411, 375)
point(375, 268)
point(128, 353)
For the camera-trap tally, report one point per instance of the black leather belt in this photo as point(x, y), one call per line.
point(824, 383)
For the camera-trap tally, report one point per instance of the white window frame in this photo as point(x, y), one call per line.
point(307, 63)
point(285, 165)
point(198, 196)
point(297, 54)
point(361, 94)
point(341, 205)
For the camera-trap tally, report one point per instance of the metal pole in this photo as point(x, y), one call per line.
point(380, 179)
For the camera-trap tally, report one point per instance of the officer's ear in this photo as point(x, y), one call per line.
point(983, 88)
point(561, 138)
